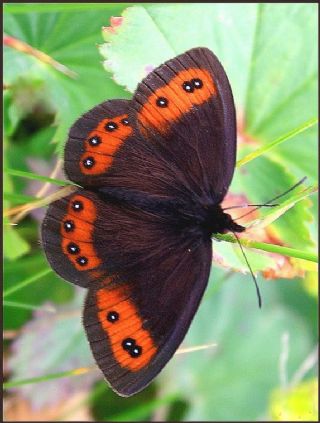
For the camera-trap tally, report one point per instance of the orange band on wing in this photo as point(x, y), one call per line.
point(77, 230)
point(102, 143)
point(169, 103)
point(132, 346)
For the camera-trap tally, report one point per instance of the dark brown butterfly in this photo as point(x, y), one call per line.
point(155, 170)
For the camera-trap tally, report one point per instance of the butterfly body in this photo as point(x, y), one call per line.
point(154, 171)
point(206, 219)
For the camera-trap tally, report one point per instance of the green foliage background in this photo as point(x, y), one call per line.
point(269, 53)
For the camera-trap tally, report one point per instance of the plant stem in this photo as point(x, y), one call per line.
point(39, 55)
point(272, 248)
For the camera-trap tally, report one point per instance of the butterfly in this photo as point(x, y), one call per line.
point(137, 235)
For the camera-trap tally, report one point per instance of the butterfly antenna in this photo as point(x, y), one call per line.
point(242, 206)
point(252, 274)
point(275, 198)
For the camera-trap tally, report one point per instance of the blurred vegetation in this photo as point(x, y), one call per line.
point(58, 63)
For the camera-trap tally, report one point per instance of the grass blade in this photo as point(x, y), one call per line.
point(188, 350)
point(59, 7)
point(276, 142)
point(26, 282)
point(74, 372)
point(26, 208)
point(28, 175)
point(28, 306)
point(276, 212)
point(82, 370)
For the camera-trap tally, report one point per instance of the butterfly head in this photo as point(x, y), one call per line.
point(218, 222)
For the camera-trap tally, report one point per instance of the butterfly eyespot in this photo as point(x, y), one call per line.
point(112, 316)
point(128, 343)
point(111, 126)
point(125, 122)
point(68, 225)
point(88, 162)
point(77, 206)
point(82, 261)
point(94, 141)
point(188, 86)
point(162, 102)
point(135, 351)
point(197, 83)
point(73, 248)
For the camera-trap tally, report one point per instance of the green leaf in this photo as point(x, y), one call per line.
point(60, 346)
point(284, 206)
point(18, 198)
point(53, 34)
point(26, 282)
point(247, 354)
point(270, 91)
point(298, 154)
point(151, 34)
point(311, 282)
point(282, 72)
point(283, 81)
point(228, 255)
point(264, 179)
point(143, 411)
point(49, 285)
point(297, 404)
point(263, 176)
point(262, 150)
point(11, 115)
point(15, 245)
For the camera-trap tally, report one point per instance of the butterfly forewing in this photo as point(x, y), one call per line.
point(186, 108)
point(94, 141)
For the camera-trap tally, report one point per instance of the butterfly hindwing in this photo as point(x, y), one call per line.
point(133, 333)
point(69, 241)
